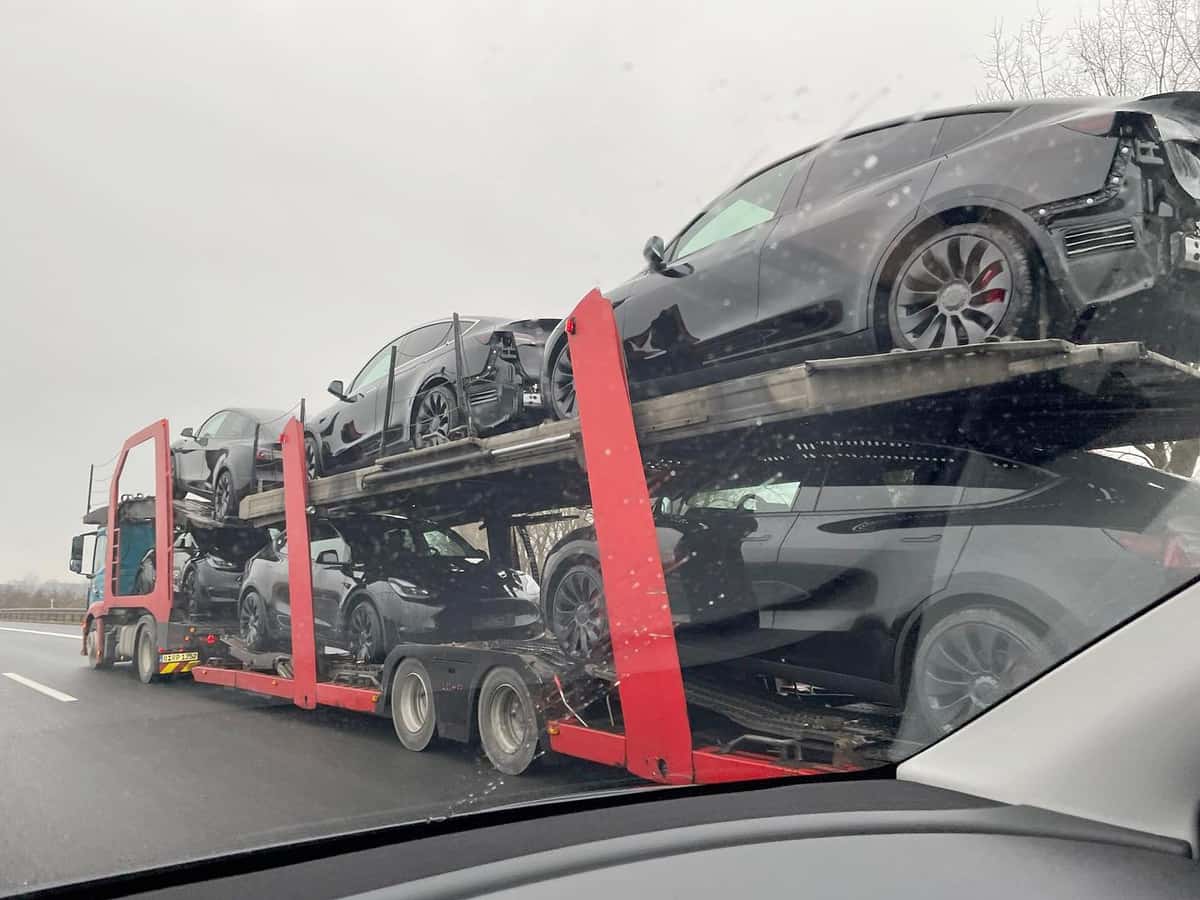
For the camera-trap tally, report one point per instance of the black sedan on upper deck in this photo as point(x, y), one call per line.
point(233, 453)
point(1065, 218)
point(502, 362)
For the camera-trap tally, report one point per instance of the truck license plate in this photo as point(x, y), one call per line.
point(179, 657)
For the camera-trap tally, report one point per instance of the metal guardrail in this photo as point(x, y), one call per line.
point(44, 615)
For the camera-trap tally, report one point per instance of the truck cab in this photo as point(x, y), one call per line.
point(137, 540)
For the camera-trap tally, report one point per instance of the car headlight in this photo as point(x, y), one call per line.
point(408, 590)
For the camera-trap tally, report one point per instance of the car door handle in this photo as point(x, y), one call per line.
point(928, 539)
point(756, 538)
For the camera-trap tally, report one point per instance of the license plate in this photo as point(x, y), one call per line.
point(532, 398)
point(179, 657)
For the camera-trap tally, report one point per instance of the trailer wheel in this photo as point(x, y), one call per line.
point(414, 715)
point(95, 643)
point(146, 656)
point(508, 721)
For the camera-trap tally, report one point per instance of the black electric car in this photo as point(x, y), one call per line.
point(1063, 218)
point(233, 453)
point(896, 570)
point(382, 579)
point(501, 360)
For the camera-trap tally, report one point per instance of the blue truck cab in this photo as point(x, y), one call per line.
point(137, 539)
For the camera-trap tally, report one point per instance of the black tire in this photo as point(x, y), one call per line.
point(560, 385)
point(145, 652)
point(414, 713)
point(576, 613)
point(225, 501)
point(189, 593)
point(946, 290)
point(508, 721)
point(436, 417)
point(364, 632)
point(312, 457)
point(93, 643)
point(970, 659)
point(252, 620)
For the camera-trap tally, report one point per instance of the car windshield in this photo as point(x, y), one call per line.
point(780, 427)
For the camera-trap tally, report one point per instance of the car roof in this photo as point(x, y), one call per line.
point(262, 416)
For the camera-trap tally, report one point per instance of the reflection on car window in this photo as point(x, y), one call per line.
point(444, 543)
point(958, 131)
point(857, 161)
point(375, 370)
point(424, 339)
point(751, 204)
point(892, 476)
point(213, 425)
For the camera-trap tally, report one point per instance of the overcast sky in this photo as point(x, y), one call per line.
point(212, 204)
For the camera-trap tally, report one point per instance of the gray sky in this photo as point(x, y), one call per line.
point(210, 204)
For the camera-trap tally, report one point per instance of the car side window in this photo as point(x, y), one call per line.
point(211, 427)
point(958, 131)
point(986, 479)
point(892, 476)
point(373, 371)
point(858, 160)
point(235, 425)
point(446, 544)
point(752, 203)
point(426, 338)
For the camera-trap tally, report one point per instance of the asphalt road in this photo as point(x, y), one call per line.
point(102, 773)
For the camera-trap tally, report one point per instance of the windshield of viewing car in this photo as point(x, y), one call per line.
point(905, 418)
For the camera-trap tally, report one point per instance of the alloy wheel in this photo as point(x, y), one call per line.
point(562, 385)
point(310, 459)
point(363, 633)
point(433, 419)
point(578, 615)
point(251, 622)
point(223, 497)
point(971, 666)
point(956, 292)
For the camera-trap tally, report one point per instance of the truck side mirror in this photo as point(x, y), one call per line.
point(77, 554)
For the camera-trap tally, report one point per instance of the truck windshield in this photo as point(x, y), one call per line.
point(813, 478)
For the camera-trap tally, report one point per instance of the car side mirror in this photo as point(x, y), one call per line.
point(328, 558)
point(338, 389)
point(654, 252)
point(187, 433)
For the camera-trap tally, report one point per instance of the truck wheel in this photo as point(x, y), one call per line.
point(95, 642)
point(146, 657)
point(508, 721)
point(414, 715)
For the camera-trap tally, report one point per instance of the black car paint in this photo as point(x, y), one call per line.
point(212, 575)
point(840, 595)
point(502, 359)
point(231, 445)
point(470, 598)
point(807, 283)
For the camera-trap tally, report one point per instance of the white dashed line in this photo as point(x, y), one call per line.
point(40, 688)
point(69, 637)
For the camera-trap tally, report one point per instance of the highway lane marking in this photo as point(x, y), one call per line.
point(39, 687)
point(69, 637)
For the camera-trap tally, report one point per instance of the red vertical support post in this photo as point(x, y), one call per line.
point(658, 737)
point(295, 509)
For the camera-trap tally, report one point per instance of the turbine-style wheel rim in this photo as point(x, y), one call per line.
point(508, 719)
point(433, 420)
point(955, 293)
point(310, 459)
point(363, 636)
point(578, 613)
point(562, 385)
point(250, 620)
point(971, 666)
point(414, 703)
point(223, 496)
